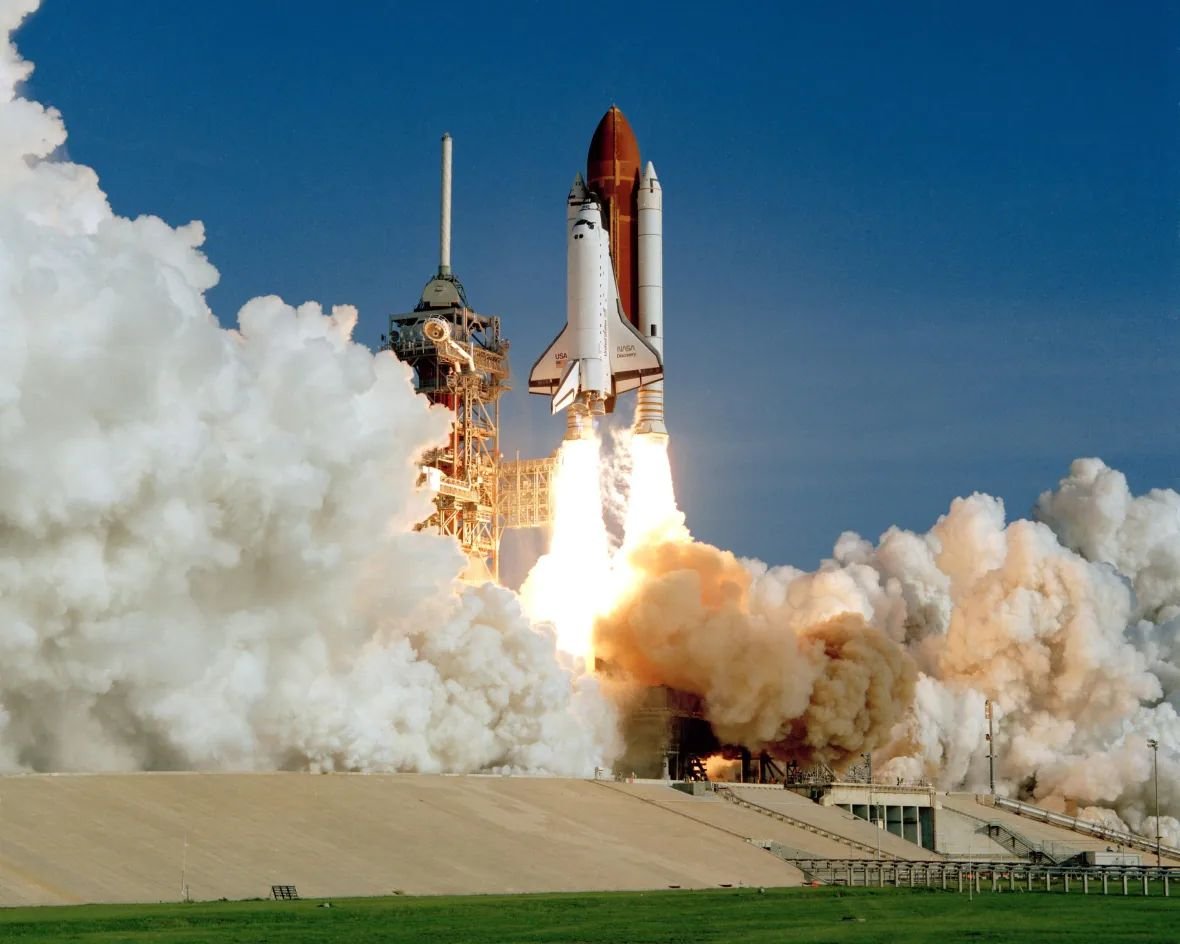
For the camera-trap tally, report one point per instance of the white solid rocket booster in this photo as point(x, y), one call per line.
point(649, 406)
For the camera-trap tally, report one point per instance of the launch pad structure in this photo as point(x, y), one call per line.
point(667, 736)
point(460, 361)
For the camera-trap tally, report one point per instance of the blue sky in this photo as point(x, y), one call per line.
point(912, 251)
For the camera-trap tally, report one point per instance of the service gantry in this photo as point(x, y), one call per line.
point(460, 361)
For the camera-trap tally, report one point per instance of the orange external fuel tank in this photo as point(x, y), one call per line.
point(612, 172)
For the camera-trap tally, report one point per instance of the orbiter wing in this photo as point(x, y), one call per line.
point(633, 362)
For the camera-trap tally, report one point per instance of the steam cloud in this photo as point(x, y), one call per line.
point(205, 550)
point(696, 621)
point(1070, 625)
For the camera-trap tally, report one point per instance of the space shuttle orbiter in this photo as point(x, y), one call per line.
point(600, 353)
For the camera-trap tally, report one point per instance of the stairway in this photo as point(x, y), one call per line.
point(1085, 827)
point(727, 794)
point(1019, 845)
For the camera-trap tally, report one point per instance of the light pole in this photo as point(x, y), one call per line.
point(1155, 763)
point(991, 748)
point(872, 809)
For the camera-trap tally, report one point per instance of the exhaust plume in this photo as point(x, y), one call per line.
point(564, 589)
point(804, 691)
point(1069, 625)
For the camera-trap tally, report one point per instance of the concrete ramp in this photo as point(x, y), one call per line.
point(138, 837)
point(1057, 843)
point(832, 819)
point(712, 811)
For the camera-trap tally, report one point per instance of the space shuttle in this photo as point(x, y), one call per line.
point(599, 354)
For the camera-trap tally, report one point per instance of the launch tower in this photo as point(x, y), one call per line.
point(460, 361)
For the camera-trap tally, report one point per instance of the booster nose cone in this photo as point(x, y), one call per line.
point(651, 194)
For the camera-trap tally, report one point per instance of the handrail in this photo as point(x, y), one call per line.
point(1085, 827)
point(817, 864)
point(1032, 848)
point(728, 794)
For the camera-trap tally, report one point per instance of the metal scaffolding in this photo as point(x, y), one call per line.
point(526, 492)
point(460, 361)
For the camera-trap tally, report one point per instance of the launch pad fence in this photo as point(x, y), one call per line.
point(988, 876)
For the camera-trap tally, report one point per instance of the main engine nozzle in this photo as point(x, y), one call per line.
point(436, 329)
point(578, 424)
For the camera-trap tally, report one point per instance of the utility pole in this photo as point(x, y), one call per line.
point(991, 748)
point(184, 870)
point(872, 809)
point(1155, 763)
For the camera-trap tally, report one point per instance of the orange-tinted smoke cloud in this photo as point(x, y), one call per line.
point(822, 693)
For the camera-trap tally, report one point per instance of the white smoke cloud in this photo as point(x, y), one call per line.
point(1052, 624)
point(1062, 643)
point(1095, 514)
point(205, 550)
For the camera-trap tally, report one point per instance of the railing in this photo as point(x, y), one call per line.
point(993, 876)
point(856, 775)
point(1085, 827)
point(728, 794)
point(1019, 844)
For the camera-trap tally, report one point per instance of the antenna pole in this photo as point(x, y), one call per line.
point(444, 241)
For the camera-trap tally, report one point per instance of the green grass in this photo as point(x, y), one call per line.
point(669, 917)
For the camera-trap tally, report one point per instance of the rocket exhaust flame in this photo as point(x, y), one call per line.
point(566, 586)
point(651, 512)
